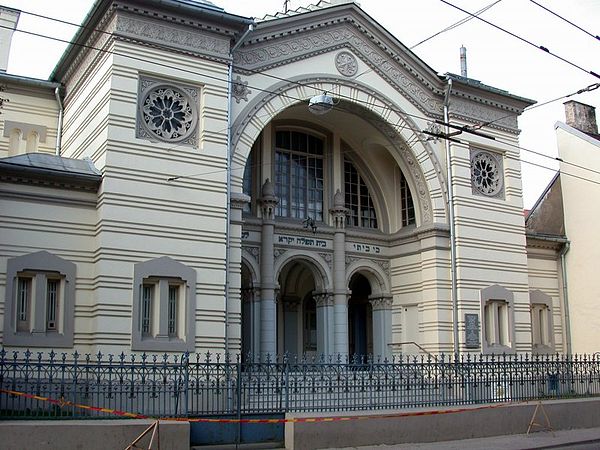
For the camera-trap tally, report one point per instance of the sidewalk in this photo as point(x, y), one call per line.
point(580, 439)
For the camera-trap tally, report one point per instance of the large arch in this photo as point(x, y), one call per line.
point(315, 262)
point(397, 129)
point(380, 283)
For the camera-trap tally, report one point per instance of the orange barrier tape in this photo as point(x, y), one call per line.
point(63, 403)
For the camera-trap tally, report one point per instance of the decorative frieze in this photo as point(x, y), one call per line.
point(240, 90)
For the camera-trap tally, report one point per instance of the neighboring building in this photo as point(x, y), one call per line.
point(562, 238)
point(334, 228)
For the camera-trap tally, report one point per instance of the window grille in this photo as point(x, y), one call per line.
point(52, 287)
point(23, 299)
point(147, 293)
point(173, 294)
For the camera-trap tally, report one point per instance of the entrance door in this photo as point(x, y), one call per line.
point(360, 321)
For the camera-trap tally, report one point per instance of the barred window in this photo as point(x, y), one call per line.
point(299, 175)
point(173, 297)
point(164, 307)
point(39, 312)
point(358, 199)
point(23, 303)
point(408, 207)
point(52, 295)
point(147, 294)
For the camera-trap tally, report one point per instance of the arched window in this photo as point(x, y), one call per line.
point(408, 207)
point(358, 199)
point(299, 175)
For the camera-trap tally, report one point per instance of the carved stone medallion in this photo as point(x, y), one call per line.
point(346, 64)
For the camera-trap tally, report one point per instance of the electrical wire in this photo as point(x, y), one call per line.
point(522, 39)
point(456, 24)
point(566, 20)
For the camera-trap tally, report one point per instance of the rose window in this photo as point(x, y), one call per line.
point(168, 113)
point(486, 174)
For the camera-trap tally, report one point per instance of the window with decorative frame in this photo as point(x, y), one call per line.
point(542, 324)
point(40, 310)
point(361, 209)
point(164, 305)
point(299, 182)
point(498, 320)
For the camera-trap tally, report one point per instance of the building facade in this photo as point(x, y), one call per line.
point(180, 195)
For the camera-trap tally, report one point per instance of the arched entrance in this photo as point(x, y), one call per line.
point(360, 317)
point(296, 309)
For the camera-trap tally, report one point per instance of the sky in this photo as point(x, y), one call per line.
point(493, 57)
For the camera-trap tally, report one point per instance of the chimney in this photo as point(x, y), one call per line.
point(463, 61)
point(8, 23)
point(581, 116)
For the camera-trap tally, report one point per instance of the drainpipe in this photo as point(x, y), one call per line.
point(229, 155)
point(563, 265)
point(60, 121)
point(454, 293)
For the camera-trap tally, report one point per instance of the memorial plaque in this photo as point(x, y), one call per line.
point(472, 330)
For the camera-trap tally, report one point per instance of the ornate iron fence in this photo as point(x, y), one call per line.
point(213, 385)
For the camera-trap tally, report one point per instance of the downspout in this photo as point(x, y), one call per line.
point(454, 294)
point(228, 200)
point(60, 121)
point(563, 266)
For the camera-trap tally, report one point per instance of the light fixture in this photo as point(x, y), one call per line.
point(321, 104)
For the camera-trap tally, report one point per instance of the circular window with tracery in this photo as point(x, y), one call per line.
point(168, 113)
point(486, 174)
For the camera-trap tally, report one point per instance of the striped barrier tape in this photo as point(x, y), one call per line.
point(62, 403)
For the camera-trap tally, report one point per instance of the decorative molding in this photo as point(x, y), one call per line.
point(328, 258)
point(278, 252)
point(381, 303)
point(346, 64)
point(151, 31)
point(276, 52)
point(323, 299)
point(240, 90)
point(383, 263)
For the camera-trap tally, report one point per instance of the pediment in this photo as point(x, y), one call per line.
point(346, 27)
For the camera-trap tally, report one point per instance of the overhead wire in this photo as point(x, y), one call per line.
point(566, 20)
point(522, 39)
point(456, 24)
point(588, 88)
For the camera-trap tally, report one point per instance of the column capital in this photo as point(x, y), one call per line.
point(239, 200)
point(323, 299)
point(379, 302)
point(268, 201)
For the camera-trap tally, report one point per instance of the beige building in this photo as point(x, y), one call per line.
point(561, 238)
point(194, 180)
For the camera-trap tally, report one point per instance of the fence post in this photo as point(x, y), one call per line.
point(287, 383)
point(186, 383)
point(239, 400)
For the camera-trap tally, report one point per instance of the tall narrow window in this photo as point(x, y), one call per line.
point(299, 175)
point(248, 181)
point(52, 286)
point(23, 303)
point(408, 207)
point(147, 294)
point(358, 199)
point(173, 295)
point(542, 324)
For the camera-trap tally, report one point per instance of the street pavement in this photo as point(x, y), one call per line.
point(580, 439)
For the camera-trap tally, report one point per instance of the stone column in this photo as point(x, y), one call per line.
point(382, 325)
point(268, 311)
point(256, 305)
point(340, 290)
point(291, 344)
point(325, 324)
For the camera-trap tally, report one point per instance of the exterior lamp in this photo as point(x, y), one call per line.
point(321, 104)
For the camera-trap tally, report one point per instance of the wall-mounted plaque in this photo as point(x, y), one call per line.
point(472, 331)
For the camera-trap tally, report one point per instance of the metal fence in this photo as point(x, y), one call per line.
point(212, 385)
